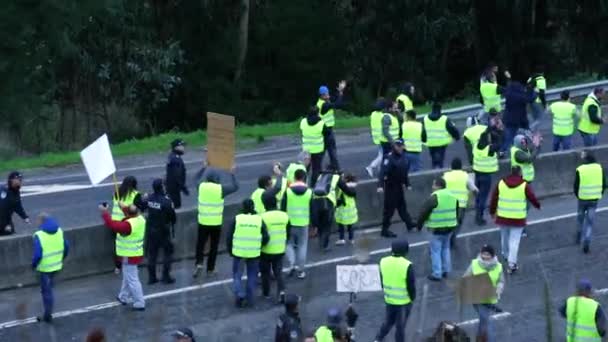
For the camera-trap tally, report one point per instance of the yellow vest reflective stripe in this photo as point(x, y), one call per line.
point(323, 334)
point(329, 117)
point(210, 204)
point(580, 320)
point(436, 133)
point(491, 98)
point(276, 224)
point(394, 280)
point(52, 251)
point(563, 117)
point(412, 136)
point(494, 276)
point(312, 137)
point(527, 169)
point(332, 190)
point(291, 171)
point(590, 181)
point(585, 125)
point(456, 182)
point(247, 238)
point(281, 192)
point(117, 213)
point(132, 245)
point(473, 134)
point(444, 215)
point(347, 214)
point(541, 84)
point(483, 162)
point(512, 202)
point(375, 123)
point(393, 129)
point(406, 101)
point(256, 197)
point(298, 208)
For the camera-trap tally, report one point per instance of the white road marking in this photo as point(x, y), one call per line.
point(191, 288)
point(37, 190)
point(496, 317)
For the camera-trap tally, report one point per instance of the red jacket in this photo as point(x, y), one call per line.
point(512, 181)
point(121, 227)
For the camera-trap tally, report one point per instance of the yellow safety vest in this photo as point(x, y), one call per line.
point(393, 129)
point(590, 181)
point(494, 276)
point(291, 171)
point(563, 118)
point(298, 208)
point(412, 136)
point(281, 192)
point(394, 280)
point(456, 182)
point(406, 101)
point(580, 320)
point(445, 214)
point(585, 125)
point(247, 238)
point(323, 334)
point(347, 214)
point(52, 251)
point(512, 202)
point(541, 84)
point(436, 133)
point(473, 133)
point(332, 190)
point(117, 213)
point(312, 137)
point(256, 197)
point(483, 162)
point(132, 245)
point(276, 223)
point(210, 204)
point(490, 96)
point(375, 123)
point(329, 117)
point(527, 169)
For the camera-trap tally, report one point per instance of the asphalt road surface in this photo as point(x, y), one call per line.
point(548, 259)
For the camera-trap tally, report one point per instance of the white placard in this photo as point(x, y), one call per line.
point(98, 161)
point(358, 278)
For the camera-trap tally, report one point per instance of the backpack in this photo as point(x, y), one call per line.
point(323, 185)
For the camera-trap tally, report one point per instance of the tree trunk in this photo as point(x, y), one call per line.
point(243, 40)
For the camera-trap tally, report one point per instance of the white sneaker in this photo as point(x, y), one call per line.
point(301, 275)
point(370, 171)
point(340, 242)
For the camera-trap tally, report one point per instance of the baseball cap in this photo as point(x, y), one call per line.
point(184, 332)
point(323, 90)
point(177, 142)
point(584, 285)
point(15, 175)
point(398, 141)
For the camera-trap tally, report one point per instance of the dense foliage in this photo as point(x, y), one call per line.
point(73, 69)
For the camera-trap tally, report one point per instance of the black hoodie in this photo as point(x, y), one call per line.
point(10, 202)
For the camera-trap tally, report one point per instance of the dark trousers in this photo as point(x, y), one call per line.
point(386, 149)
point(47, 281)
point(332, 151)
point(509, 135)
point(204, 233)
point(396, 315)
point(394, 199)
point(350, 228)
point(483, 182)
point(323, 218)
point(272, 262)
point(437, 156)
point(176, 197)
point(316, 163)
point(158, 240)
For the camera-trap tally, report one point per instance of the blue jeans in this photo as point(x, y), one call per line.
point(441, 260)
point(537, 113)
point(252, 277)
point(485, 324)
point(586, 215)
point(413, 158)
point(564, 141)
point(589, 139)
point(396, 315)
point(509, 135)
point(46, 288)
point(483, 182)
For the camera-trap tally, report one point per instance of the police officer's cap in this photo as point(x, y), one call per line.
point(177, 142)
point(291, 299)
point(400, 247)
point(15, 175)
point(398, 142)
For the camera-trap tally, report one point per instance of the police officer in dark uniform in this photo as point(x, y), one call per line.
point(176, 173)
point(393, 177)
point(159, 231)
point(289, 326)
point(10, 202)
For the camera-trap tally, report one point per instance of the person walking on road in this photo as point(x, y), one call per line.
point(412, 138)
point(487, 262)
point(271, 259)
point(375, 122)
point(515, 117)
point(485, 164)
point(245, 239)
point(130, 233)
point(523, 155)
point(289, 325)
point(303, 164)
point(50, 250)
point(471, 136)
point(563, 113)
point(175, 178)
point(297, 204)
point(490, 94)
point(159, 231)
point(585, 318)
point(211, 196)
point(399, 285)
point(440, 214)
point(347, 215)
point(509, 208)
point(10, 202)
point(315, 139)
point(405, 99)
point(127, 195)
point(460, 184)
point(538, 82)
point(389, 128)
point(591, 118)
point(326, 107)
point(589, 186)
point(438, 131)
point(392, 180)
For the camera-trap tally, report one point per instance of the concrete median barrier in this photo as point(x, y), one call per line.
point(92, 247)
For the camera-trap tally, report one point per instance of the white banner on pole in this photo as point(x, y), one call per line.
point(98, 161)
point(358, 278)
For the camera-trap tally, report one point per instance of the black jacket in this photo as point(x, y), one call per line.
point(10, 202)
point(161, 215)
point(230, 235)
point(394, 171)
point(335, 102)
point(176, 173)
point(289, 328)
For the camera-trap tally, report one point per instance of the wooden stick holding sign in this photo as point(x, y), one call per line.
point(220, 140)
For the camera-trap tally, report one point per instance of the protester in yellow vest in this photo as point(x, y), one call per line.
point(265, 185)
point(585, 318)
point(412, 138)
point(591, 117)
point(509, 208)
point(487, 262)
point(244, 241)
point(475, 128)
point(589, 186)
point(405, 99)
point(50, 249)
point(438, 131)
point(440, 215)
point(326, 107)
point(302, 163)
point(346, 211)
point(297, 205)
point(539, 83)
point(334, 330)
point(490, 93)
point(460, 184)
point(523, 154)
point(127, 195)
point(564, 113)
point(130, 233)
point(399, 287)
point(485, 165)
point(375, 122)
point(271, 259)
point(315, 137)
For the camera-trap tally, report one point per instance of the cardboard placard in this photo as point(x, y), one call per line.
point(475, 289)
point(98, 161)
point(358, 278)
point(220, 140)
